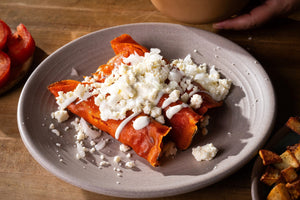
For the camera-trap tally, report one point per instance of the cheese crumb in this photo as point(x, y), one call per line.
point(58, 144)
point(80, 150)
point(92, 150)
point(104, 164)
point(124, 148)
point(130, 164)
point(128, 155)
point(92, 143)
point(80, 135)
point(204, 153)
point(51, 126)
point(117, 159)
point(160, 119)
point(60, 115)
point(102, 157)
point(56, 132)
point(196, 101)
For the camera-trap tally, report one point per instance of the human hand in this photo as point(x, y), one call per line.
point(259, 15)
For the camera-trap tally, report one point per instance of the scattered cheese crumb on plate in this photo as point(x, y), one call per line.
point(204, 153)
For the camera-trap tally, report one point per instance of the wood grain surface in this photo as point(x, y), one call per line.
point(53, 23)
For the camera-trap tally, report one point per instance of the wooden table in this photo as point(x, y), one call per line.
point(54, 23)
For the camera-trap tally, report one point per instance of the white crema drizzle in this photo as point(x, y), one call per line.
point(141, 122)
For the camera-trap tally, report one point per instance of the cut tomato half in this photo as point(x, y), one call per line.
point(4, 68)
point(4, 34)
point(20, 45)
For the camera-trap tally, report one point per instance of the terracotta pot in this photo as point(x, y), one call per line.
point(199, 11)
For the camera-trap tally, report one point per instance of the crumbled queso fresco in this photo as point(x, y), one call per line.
point(137, 85)
point(205, 152)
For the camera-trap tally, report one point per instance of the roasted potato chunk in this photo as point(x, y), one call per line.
point(268, 157)
point(271, 176)
point(279, 192)
point(294, 124)
point(288, 160)
point(294, 189)
point(289, 174)
point(297, 153)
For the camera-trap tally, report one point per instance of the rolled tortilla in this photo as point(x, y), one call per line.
point(146, 142)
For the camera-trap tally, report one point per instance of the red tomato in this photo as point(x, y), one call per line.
point(4, 68)
point(4, 33)
point(20, 45)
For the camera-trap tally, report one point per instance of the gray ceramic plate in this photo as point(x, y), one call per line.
point(278, 143)
point(238, 129)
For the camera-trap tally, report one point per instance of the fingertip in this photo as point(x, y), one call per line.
point(217, 25)
point(242, 22)
point(253, 19)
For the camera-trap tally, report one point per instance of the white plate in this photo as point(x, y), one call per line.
point(238, 129)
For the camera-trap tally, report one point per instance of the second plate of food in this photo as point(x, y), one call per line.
point(238, 129)
point(265, 178)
